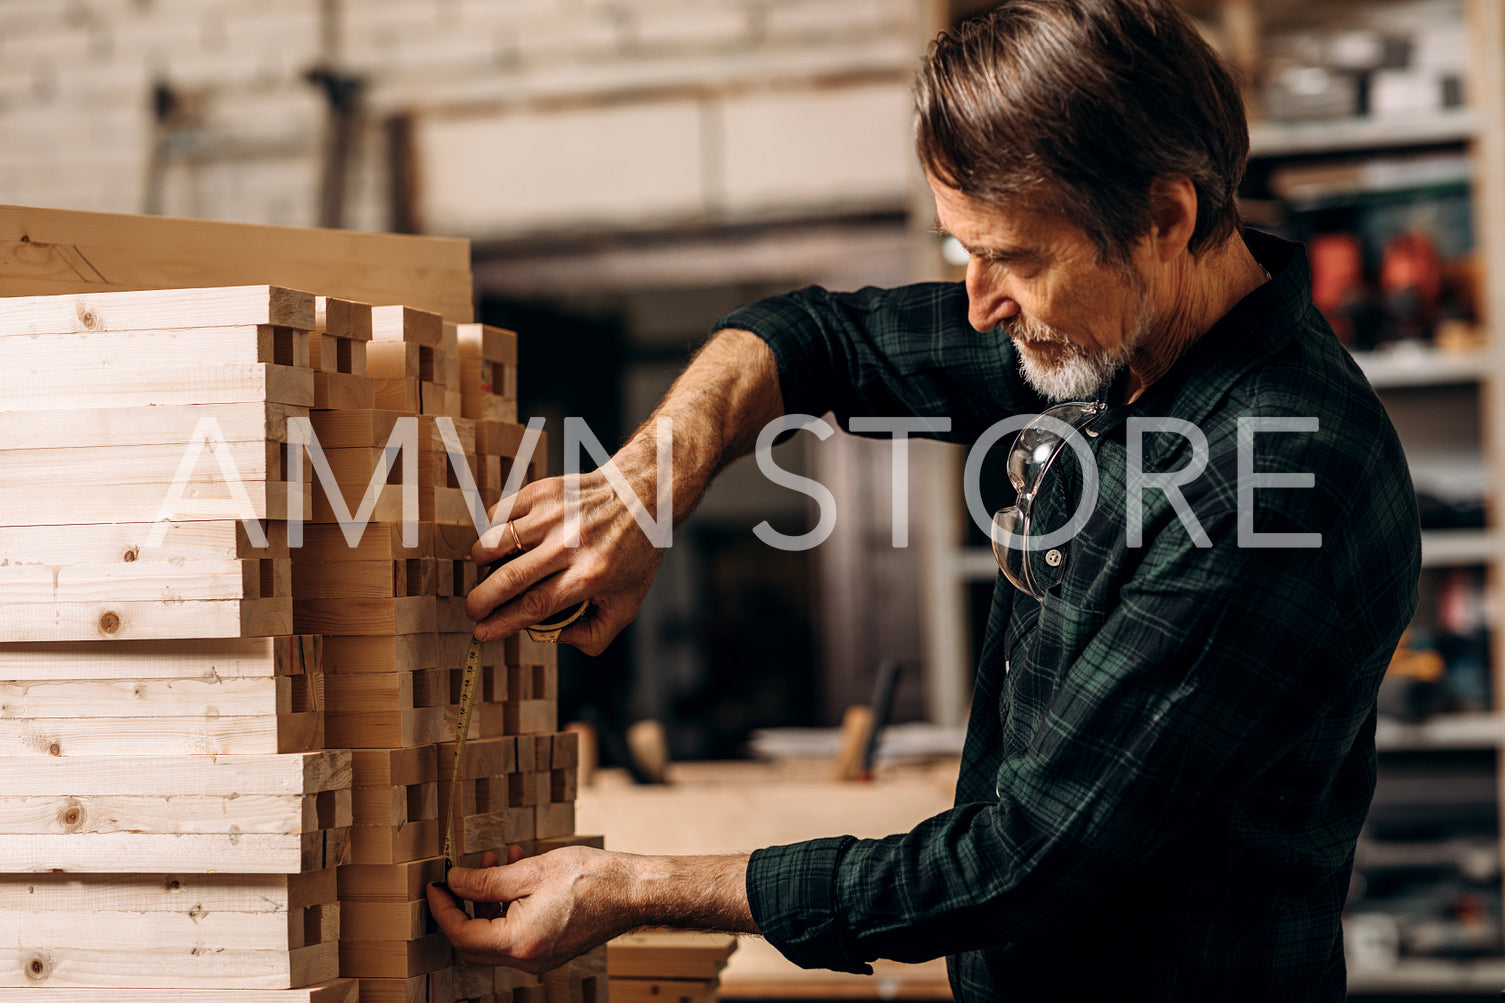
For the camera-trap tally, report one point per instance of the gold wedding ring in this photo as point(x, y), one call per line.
point(516, 542)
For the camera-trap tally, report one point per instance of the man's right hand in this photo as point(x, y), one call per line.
point(716, 409)
point(612, 568)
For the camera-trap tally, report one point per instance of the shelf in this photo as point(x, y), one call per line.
point(1424, 976)
point(1449, 731)
point(1286, 139)
point(1451, 548)
point(1414, 366)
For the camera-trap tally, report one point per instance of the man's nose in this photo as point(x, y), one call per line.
point(988, 301)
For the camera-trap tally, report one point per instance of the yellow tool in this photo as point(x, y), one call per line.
point(546, 632)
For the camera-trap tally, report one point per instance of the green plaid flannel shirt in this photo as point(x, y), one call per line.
point(1170, 757)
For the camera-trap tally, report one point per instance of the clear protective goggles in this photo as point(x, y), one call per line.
point(1034, 452)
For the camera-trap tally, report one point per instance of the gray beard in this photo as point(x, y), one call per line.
point(1071, 372)
point(1078, 377)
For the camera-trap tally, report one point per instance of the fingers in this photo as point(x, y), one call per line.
point(482, 941)
point(493, 884)
point(514, 854)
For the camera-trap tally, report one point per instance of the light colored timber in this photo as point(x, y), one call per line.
point(407, 323)
point(103, 351)
point(57, 251)
point(279, 894)
point(32, 504)
point(400, 883)
point(187, 814)
point(109, 852)
point(385, 920)
point(486, 757)
point(135, 384)
point(342, 318)
point(335, 991)
point(180, 776)
point(127, 543)
point(186, 967)
point(156, 309)
point(107, 620)
point(395, 805)
point(416, 840)
point(163, 735)
point(376, 541)
point(134, 426)
point(147, 463)
point(394, 959)
point(163, 931)
point(224, 658)
point(395, 615)
point(387, 768)
point(336, 356)
point(432, 987)
point(383, 727)
point(482, 341)
point(344, 391)
point(141, 581)
point(346, 655)
point(363, 427)
point(206, 695)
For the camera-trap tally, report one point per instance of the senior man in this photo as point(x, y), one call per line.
point(1171, 747)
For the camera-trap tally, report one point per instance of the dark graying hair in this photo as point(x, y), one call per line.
point(1076, 107)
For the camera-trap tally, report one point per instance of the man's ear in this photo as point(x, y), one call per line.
point(1173, 214)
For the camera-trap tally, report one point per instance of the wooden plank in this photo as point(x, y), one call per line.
point(292, 774)
point(133, 426)
point(126, 543)
point(103, 352)
point(186, 968)
point(661, 990)
point(394, 805)
point(385, 920)
point(669, 955)
point(342, 318)
point(49, 250)
point(108, 620)
point(141, 581)
point(163, 735)
point(531, 717)
point(407, 324)
point(393, 959)
point(404, 882)
point(137, 384)
point(342, 390)
point(394, 767)
point(336, 991)
point(225, 658)
point(110, 852)
point(395, 615)
point(128, 930)
point(415, 840)
point(147, 463)
point(27, 505)
point(377, 541)
point(354, 428)
point(156, 309)
point(279, 894)
point(146, 698)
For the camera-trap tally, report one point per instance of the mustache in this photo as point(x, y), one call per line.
point(1029, 329)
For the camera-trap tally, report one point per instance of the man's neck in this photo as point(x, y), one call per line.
point(1197, 293)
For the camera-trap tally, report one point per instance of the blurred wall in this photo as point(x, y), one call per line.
point(479, 118)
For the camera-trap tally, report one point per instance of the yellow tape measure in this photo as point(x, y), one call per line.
point(547, 631)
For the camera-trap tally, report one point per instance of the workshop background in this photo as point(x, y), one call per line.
point(628, 170)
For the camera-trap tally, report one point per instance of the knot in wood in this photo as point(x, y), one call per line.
point(109, 622)
point(38, 967)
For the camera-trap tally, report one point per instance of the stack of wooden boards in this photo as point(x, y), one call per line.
point(228, 705)
point(667, 966)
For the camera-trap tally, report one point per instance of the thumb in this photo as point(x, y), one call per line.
point(514, 853)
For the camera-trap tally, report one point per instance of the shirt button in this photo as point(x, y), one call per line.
point(1053, 558)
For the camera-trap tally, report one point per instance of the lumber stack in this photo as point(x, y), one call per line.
point(667, 966)
point(170, 820)
point(230, 682)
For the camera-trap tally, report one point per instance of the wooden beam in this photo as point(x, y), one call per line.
point(156, 310)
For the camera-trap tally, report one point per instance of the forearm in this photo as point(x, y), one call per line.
point(716, 408)
point(697, 893)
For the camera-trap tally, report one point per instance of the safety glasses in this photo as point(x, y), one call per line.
point(1034, 452)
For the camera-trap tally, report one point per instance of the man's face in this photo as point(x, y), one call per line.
point(1074, 320)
